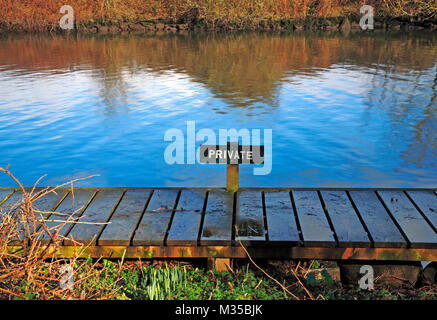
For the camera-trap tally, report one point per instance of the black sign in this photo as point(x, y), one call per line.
point(232, 153)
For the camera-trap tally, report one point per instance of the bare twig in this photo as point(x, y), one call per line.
point(262, 270)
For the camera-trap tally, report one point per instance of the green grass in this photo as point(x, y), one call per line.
point(136, 281)
point(195, 284)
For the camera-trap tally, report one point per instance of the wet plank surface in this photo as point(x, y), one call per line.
point(3, 194)
point(315, 226)
point(9, 205)
point(281, 222)
point(45, 205)
point(217, 224)
point(427, 203)
point(125, 218)
point(13, 201)
point(90, 224)
point(415, 227)
point(185, 226)
point(250, 218)
point(382, 229)
point(346, 223)
point(155, 221)
point(49, 202)
point(67, 211)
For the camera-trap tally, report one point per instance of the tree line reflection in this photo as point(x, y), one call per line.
point(248, 69)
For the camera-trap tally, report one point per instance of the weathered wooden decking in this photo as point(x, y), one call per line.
point(280, 223)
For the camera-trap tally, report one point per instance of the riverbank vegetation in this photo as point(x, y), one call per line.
point(31, 269)
point(174, 280)
point(138, 15)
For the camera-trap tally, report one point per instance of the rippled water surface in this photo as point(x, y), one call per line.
point(357, 110)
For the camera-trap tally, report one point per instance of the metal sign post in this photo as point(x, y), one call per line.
point(233, 155)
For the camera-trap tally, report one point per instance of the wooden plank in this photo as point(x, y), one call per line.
point(237, 252)
point(155, 221)
point(42, 208)
point(13, 201)
point(346, 223)
point(217, 224)
point(70, 208)
point(16, 199)
point(381, 227)
point(249, 218)
point(185, 226)
point(98, 211)
point(3, 194)
point(9, 209)
point(48, 203)
point(125, 218)
point(314, 224)
point(45, 205)
point(417, 230)
point(427, 203)
point(281, 223)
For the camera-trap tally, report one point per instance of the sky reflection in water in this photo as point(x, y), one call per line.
point(357, 110)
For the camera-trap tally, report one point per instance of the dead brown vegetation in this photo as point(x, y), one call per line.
point(27, 265)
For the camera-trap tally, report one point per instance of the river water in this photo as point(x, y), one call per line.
point(357, 110)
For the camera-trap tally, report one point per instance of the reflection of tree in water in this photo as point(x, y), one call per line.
point(114, 91)
point(241, 69)
point(114, 88)
point(246, 71)
point(398, 87)
point(422, 149)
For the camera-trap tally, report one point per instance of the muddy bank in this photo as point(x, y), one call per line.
point(341, 24)
point(191, 23)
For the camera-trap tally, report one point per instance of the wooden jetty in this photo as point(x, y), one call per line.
point(330, 224)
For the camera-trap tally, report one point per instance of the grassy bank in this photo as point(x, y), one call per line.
point(146, 280)
point(137, 15)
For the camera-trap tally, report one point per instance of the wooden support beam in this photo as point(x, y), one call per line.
point(218, 264)
point(234, 252)
point(232, 179)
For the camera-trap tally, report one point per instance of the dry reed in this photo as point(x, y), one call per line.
point(29, 266)
point(40, 15)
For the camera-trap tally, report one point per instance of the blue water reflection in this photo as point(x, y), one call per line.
point(345, 111)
